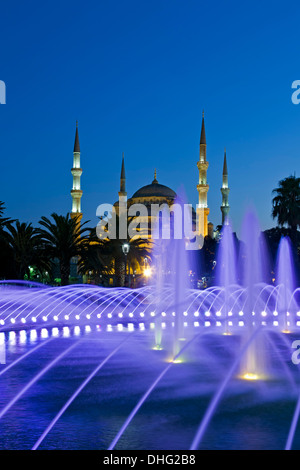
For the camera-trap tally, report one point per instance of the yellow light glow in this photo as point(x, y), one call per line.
point(175, 361)
point(250, 376)
point(286, 331)
point(147, 272)
point(227, 333)
point(157, 348)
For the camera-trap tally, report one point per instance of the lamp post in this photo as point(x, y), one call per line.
point(125, 249)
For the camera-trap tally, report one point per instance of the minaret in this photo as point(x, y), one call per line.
point(225, 207)
point(76, 171)
point(122, 191)
point(202, 187)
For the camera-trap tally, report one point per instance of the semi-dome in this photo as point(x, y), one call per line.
point(155, 189)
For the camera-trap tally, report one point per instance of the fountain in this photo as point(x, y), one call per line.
point(285, 280)
point(163, 366)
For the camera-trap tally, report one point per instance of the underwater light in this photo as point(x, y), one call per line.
point(250, 376)
point(66, 331)
point(77, 317)
point(44, 333)
point(33, 319)
point(176, 361)
point(13, 320)
point(45, 318)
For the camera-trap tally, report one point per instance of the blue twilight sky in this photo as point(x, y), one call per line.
point(137, 74)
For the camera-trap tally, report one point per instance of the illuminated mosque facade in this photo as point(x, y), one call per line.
point(157, 193)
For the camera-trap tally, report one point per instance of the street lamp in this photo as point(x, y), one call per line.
point(125, 249)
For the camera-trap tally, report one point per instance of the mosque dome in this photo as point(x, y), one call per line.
point(155, 189)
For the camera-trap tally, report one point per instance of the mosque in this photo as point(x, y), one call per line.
point(157, 193)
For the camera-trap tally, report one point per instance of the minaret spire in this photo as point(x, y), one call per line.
point(122, 191)
point(203, 136)
point(76, 143)
point(225, 207)
point(202, 186)
point(76, 171)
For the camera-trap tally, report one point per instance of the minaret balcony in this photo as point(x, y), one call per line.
point(76, 193)
point(76, 171)
point(202, 188)
point(202, 165)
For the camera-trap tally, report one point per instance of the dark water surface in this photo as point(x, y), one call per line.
point(251, 415)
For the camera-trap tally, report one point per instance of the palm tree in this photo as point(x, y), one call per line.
point(25, 243)
point(112, 250)
point(63, 239)
point(7, 270)
point(94, 258)
point(3, 220)
point(286, 204)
